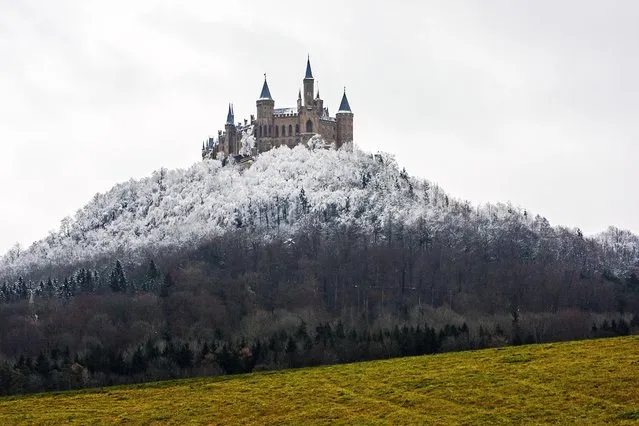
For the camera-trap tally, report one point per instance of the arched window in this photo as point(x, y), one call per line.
point(290, 130)
point(269, 130)
point(309, 126)
point(260, 127)
point(277, 132)
point(297, 129)
point(283, 130)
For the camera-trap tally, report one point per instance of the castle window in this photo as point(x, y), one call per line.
point(290, 130)
point(277, 132)
point(309, 126)
point(269, 130)
point(297, 129)
point(283, 130)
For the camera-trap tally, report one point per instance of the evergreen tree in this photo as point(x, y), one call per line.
point(84, 280)
point(67, 290)
point(49, 289)
point(4, 293)
point(23, 290)
point(167, 286)
point(304, 202)
point(151, 277)
point(139, 361)
point(291, 350)
point(42, 365)
point(117, 280)
point(183, 357)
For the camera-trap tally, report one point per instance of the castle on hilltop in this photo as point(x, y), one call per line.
point(274, 127)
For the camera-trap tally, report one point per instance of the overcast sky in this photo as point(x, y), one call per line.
point(533, 102)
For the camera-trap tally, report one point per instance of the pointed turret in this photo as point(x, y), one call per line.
point(344, 118)
point(264, 121)
point(309, 73)
point(309, 82)
point(266, 93)
point(344, 106)
point(230, 119)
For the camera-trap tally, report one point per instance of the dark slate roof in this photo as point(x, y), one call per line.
point(309, 73)
point(266, 94)
point(344, 106)
point(229, 117)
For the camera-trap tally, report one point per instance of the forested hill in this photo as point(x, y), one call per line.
point(288, 190)
point(307, 257)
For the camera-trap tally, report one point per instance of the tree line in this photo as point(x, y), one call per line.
point(240, 302)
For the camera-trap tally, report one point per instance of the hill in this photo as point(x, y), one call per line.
point(285, 191)
point(589, 382)
point(309, 257)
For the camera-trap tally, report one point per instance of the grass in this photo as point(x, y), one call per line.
point(585, 382)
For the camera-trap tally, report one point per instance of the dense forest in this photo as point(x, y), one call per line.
point(306, 258)
point(237, 303)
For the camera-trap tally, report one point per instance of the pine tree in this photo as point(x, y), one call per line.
point(4, 293)
point(23, 290)
point(84, 280)
point(183, 357)
point(117, 280)
point(67, 290)
point(167, 286)
point(42, 365)
point(304, 202)
point(139, 362)
point(49, 289)
point(88, 281)
point(151, 277)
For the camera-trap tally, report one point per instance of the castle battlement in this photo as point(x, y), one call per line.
point(291, 126)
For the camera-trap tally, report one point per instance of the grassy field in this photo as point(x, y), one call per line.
point(586, 382)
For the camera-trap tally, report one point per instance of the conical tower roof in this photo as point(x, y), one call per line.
point(344, 106)
point(266, 93)
point(230, 119)
point(309, 73)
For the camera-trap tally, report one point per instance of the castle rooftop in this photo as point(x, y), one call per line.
point(266, 93)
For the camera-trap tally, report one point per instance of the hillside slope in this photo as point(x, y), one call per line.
point(284, 191)
point(589, 382)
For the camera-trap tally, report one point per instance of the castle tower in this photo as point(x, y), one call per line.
point(319, 104)
point(309, 82)
point(264, 121)
point(344, 119)
point(230, 142)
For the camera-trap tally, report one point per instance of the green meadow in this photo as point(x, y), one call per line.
point(583, 382)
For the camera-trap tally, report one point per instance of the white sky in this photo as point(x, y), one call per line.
point(530, 102)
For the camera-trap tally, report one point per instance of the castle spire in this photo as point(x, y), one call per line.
point(230, 119)
point(344, 106)
point(309, 73)
point(266, 93)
